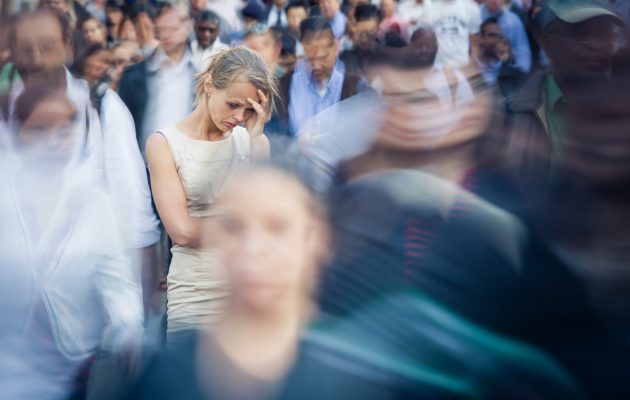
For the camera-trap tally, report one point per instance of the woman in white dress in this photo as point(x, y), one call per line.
point(189, 162)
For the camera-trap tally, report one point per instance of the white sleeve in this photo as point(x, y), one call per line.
point(126, 174)
point(474, 18)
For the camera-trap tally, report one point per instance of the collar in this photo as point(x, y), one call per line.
point(338, 69)
point(159, 59)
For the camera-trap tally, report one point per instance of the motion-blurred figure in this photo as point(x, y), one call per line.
point(272, 237)
point(69, 287)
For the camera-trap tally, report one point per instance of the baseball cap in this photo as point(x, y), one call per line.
point(574, 11)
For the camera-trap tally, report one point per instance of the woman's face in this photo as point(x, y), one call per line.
point(94, 33)
point(114, 15)
point(48, 134)
point(269, 240)
point(229, 107)
point(128, 31)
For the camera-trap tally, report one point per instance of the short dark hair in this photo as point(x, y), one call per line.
point(91, 51)
point(486, 23)
point(138, 9)
point(421, 31)
point(208, 16)
point(365, 12)
point(312, 26)
point(289, 44)
point(296, 4)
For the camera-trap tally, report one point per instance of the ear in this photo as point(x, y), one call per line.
point(207, 84)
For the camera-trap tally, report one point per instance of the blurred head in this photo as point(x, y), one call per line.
point(94, 32)
point(46, 124)
point(272, 236)
point(65, 7)
point(207, 28)
point(265, 41)
point(424, 45)
point(127, 31)
point(40, 53)
point(173, 27)
point(288, 56)
point(233, 76)
point(388, 8)
point(367, 19)
point(297, 11)
point(144, 21)
point(428, 111)
point(114, 13)
point(494, 6)
point(579, 36)
point(122, 55)
point(490, 35)
point(329, 8)
point(95, 64)
point(320, 47)
point(198, 5)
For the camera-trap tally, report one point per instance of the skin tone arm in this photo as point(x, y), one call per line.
point(474, 46)
point(169, 194)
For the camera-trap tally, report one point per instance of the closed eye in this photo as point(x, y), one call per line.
point(234, 106)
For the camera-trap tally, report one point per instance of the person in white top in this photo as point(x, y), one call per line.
point(456, 24)
point(207, 43)
point(189, 162)
point(410, 11)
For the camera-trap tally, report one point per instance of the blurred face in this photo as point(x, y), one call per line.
point(425, 47)
point(321, 52)
point(229, 107)
point(364, 33)
point(128, 31)
point(265, 46)
point(494, 6)
point(173, 28)
point(280, 3)
point(268, 240)
point(94, 33)
point(48, 133)
point(388, 7)
point(114, 15)
point(329, 8)
point(295, 16)
point(121, 57)
point(40, 53)
point(419, 118)
point(96, 66)
point(198, 5)
point(57, 5)
point(583, 48)
point(206, 33)
point(490, 37)
point(145, 28)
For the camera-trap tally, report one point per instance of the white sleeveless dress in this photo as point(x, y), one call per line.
point(197, 289)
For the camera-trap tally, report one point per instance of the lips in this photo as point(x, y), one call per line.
point(230, 125)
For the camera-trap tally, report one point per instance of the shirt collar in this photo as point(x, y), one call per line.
point(159, 59)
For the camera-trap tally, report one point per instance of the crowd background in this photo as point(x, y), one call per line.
point(283, 199)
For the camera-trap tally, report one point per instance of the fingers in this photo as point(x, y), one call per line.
point(259, 109)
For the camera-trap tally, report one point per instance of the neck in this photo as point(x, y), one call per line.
point(199, 124)
point(261, 345)
point(177, 55)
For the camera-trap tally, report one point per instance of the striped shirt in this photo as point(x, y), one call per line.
point(305, 100)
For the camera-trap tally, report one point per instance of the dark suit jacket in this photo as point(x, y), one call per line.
point(133, 90)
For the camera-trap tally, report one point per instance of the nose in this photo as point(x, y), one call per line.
point(240, 115)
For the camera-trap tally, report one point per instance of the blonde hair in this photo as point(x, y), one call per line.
point(235, 63)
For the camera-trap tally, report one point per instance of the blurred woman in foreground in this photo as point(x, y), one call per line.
point(272, 239)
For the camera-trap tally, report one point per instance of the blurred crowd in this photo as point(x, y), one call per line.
point(315, 199)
